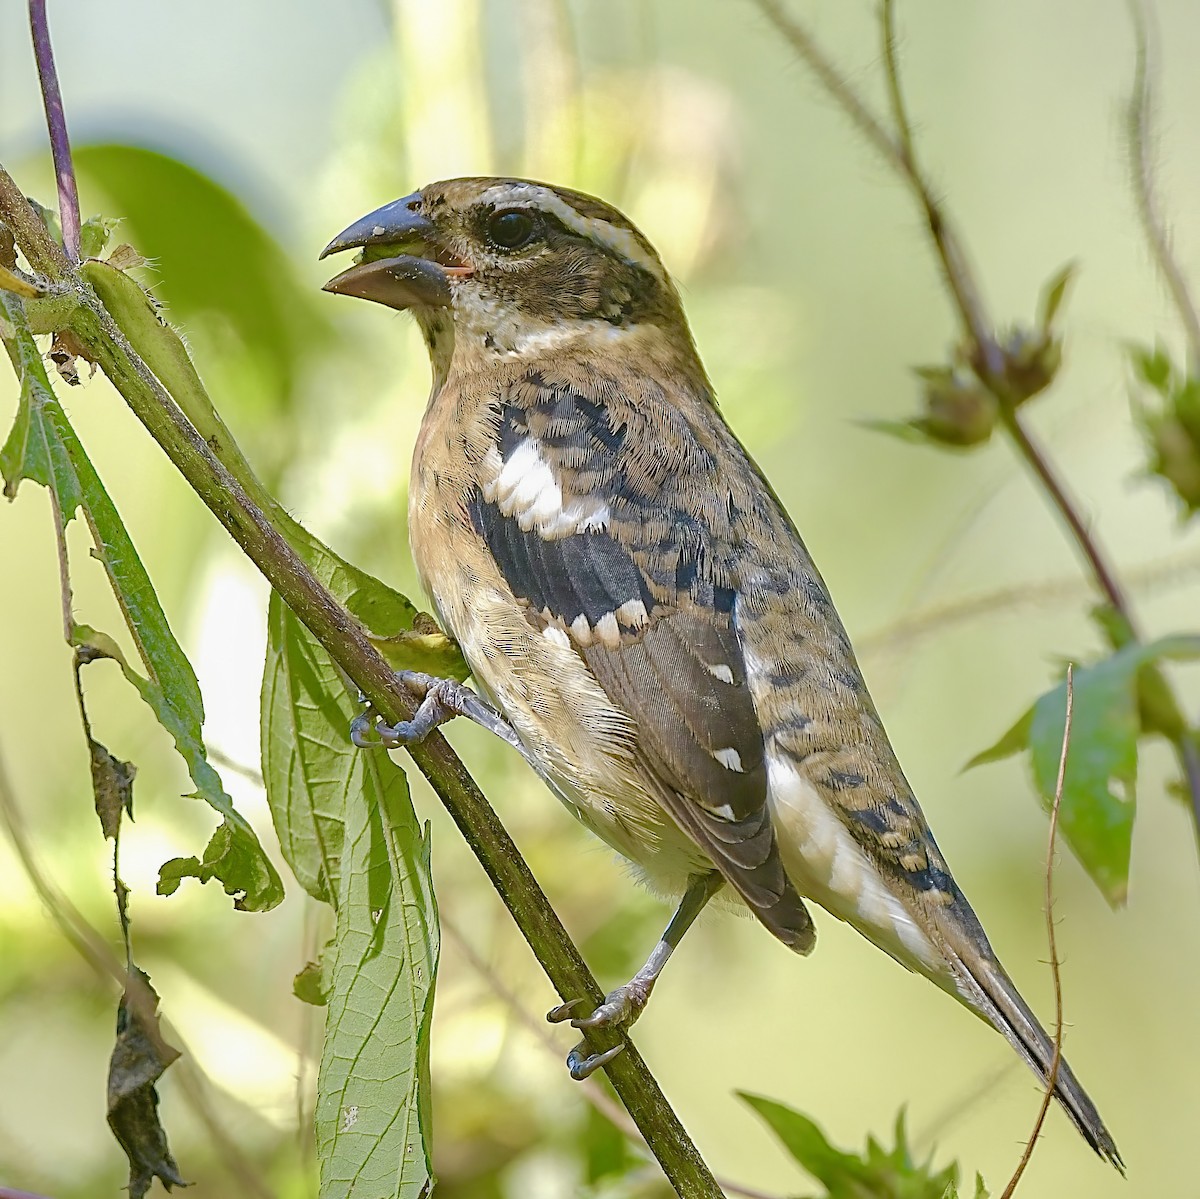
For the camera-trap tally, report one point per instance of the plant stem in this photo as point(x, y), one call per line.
point(347, 644)
point(56, 123)
point(1139, 116)
point(984, 352)
point(1102, 572)
point(1052, 942)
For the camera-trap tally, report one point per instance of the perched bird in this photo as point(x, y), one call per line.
point(637, 605)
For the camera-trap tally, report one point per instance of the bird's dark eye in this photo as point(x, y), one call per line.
point(511, 228)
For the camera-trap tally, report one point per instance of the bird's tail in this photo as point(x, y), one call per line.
point(983, 984)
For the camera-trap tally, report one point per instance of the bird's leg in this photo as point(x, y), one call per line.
point(624, 1005)
point(441, 700)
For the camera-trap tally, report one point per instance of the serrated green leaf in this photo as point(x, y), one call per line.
point(878, 1174)
point(1099, 804)
point(372, 1116)
point(310, 766)
point(32, 450)
point(808, 1145)
point(49, 452)
point(234, 857)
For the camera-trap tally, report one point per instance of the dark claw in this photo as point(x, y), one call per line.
point(556, 1015)
point(581, 1067)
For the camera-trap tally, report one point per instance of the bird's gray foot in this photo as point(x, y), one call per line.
point(441, 700)
point(618, 1011)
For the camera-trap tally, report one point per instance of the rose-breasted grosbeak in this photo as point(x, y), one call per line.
point(632, 597)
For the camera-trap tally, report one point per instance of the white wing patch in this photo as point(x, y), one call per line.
point(826, 863)
point(523, 486)
point(730, 759)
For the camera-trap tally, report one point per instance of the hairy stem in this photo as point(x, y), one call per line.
point(1139, 115)
point(347, 644)
point(1052, 942)
point(56, 123)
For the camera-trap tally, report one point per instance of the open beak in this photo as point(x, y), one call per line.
point(388, 275)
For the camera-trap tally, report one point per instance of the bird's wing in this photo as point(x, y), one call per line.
point(571, 512)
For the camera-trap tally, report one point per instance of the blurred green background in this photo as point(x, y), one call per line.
point(811, 293)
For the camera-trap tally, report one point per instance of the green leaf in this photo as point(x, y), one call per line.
point(908, 431)
point(877, 1174)
point(420, 648)
point(372, 1116)
point(1153, 367)
point(94, 234)
point(1052, 296)
point(43, 447)
point(310, 767)
point(221, 270)
point(1015, 741)
point(32, 450)
point(311, 984)
point(1099, 790)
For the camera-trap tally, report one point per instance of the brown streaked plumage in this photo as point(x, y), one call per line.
point(632, 597)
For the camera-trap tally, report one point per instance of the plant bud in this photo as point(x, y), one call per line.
point(958, 410)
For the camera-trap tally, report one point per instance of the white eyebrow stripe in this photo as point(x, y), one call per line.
point(623, 242)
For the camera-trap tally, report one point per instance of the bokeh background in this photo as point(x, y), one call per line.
point(811, 294)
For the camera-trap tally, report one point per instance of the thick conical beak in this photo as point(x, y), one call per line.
point(399, 281)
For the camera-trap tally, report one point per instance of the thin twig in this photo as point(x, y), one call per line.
point(1140, 115)
point(252, 774)
point(348, 645)
point(537, 1028)
point(832, 80)
point(985, 354)
point(962, 1103)
point(1052, 941)
point(1103, 573)
point(937, 618)
point(56, 123)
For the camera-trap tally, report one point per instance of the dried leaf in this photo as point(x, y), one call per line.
point(139, 1058)
point(112, 787)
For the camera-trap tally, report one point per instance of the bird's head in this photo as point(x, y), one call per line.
point(509, 268)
